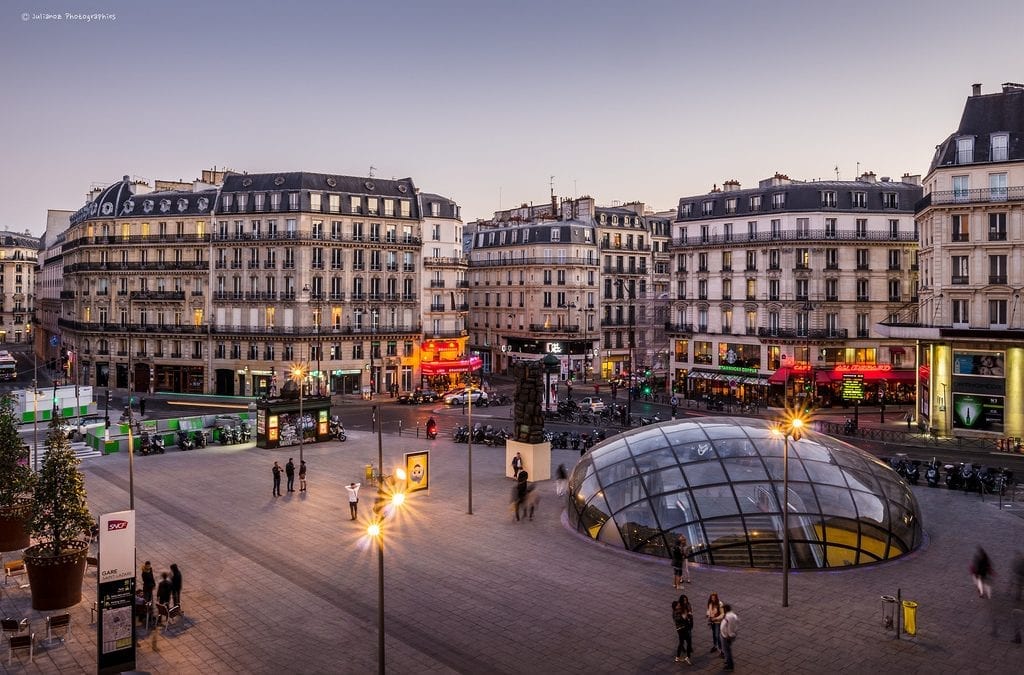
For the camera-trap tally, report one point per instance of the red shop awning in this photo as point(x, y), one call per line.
point(823, 377)
point(780, 376)
point(446, 367)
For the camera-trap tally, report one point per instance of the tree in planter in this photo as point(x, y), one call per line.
point(60, 515)
point(60, 512)
point(16, 480)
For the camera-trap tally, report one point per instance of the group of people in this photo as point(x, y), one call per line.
point(721, 620)
point(168, 591)
point(289, 472)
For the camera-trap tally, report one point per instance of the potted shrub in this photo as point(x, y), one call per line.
point(60, 516)
point(16, 481)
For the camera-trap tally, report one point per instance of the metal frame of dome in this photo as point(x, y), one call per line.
point(718, 481)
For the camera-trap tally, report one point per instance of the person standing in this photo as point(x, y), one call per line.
point(730, 629)
point(981, 571)
point(163, 590)
point(277, 479)
point(148, 581)
point(176, 584)
point(561, 479)
point(517, 465)
point(302, 475)
point(677, 565)
point(289, 471)
point(682, 616)
point(353, 499)
point(684, 571)
point(715, 613)
point(142, 406)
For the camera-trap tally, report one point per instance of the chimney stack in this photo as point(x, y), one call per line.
point(976, 89)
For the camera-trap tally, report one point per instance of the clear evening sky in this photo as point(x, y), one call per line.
point(483, 101)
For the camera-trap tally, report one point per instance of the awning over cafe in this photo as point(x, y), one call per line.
point(447, 367)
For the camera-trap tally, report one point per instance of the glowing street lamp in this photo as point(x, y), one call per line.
point(375, 530)
point(792, 426)
point(298, 376)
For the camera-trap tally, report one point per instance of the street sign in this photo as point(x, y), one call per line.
point(853, 386)
point(54, 340)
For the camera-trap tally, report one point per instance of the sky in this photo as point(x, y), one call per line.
point(493, 103)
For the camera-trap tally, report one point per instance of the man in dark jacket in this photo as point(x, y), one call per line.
point(289, 471)
point(163, 590)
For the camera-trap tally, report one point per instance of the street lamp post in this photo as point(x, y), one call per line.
point(792, 427)
point(316, 299)
point(632, 335)
point(299, 376)
point(376, 531)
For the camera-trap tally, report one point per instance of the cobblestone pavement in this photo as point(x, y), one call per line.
point(289, 585)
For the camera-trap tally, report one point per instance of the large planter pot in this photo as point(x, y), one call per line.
point(56, 579)
point(14, 534)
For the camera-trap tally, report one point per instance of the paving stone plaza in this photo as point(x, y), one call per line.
point(289, 584)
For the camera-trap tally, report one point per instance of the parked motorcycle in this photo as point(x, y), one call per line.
point(200, 438)
point(931, 474)
point(244, 433)
point(185, 441)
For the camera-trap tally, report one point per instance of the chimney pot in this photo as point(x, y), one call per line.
point(976, 89)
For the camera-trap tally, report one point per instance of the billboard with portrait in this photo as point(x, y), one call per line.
point(985, 364)
point(417, 471)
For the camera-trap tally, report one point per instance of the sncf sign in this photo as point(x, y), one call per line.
point(117, 525)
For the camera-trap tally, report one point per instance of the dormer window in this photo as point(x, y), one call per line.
point(755, 203)
point(1000, 147)
point(686, 212)
point(779, 200)
point(615, 220)
point(828, 199)
point(707, 208)
point(603, 219)
point(965, 150)
point(730, 205)
point(890, 200)
point(859, 200)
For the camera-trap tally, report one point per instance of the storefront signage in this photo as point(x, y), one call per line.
point(801, 367)
point(853, 387)
point(742, 370)
point(863, 367)
point(115, 597)
point(554, 347)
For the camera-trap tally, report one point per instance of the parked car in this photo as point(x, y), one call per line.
point(592, 403)
point(459, 397)
point(408, 398)
point(428, 396)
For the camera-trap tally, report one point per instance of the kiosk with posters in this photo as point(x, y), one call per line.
point(278, 423)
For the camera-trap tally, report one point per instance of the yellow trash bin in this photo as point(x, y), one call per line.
point(369, 473)
point(910, 617)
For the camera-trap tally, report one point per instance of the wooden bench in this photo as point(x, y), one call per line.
point(21, 643)
point(15, 568)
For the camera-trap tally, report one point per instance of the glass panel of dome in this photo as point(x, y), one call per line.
point(822, 472)
point(645, 441)
point(657, 459)
point(839, 556)
point(836, 501)
point(704, 473)
point(802, 498)
point(594, 515)
point(877, 541)
point(681, 435)
point(674, 510)
point(869, 507)
point(616, 451)
point(609, 534)
point(721, 430)
point(619, 471)
point(638, 526)
point(810, 450)
point(695, 451)
point(861, 480)
point(796, 469)
point(589, 486)
point(735, 447)
point(715, 501)
point(625, 493)
point(756, 497)
point(665, 480)
point(742, 469)
point(770, 446)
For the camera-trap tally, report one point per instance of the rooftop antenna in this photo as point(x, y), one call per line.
point(551, 184)
point(858, 168)
point(372, 169)
point(837, 172)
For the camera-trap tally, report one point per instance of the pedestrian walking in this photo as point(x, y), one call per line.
point(597, 389)
point(277, 479)
point(142, 406)
point(353, 499)
point(531, 501)
point(163, 590)
point(561, 480)
point(176, 584)
point(682, 617)
point(730, 629)
point(910, 419)
point(302, 475)
point(715, 613)
point(148, 581)
point(1018, 574)
point(981, 571)
point(522, 487)
point(289, 471)
point(517, 464)
point(685, 566)
point(677, 565)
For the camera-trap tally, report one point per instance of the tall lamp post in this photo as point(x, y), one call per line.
point(375, 530)
point(298, 373)
point(792, 426)
point(316, 299)
point(632, 335)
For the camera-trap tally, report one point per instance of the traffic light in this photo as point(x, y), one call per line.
point(110, 396)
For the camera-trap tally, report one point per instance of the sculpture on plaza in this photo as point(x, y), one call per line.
point(526, 404)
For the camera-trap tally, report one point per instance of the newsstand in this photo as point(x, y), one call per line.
point(278, 422)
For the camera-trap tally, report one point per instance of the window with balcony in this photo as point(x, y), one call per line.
point(863, 324)
point(895, 292)
point(960, 265)
point(894, 228)
point(751, 261)
point(830, 228)
point(997, 269)
point(997, 227)
point(997, 187)
point(832, 290)
point(961, 188)
point(960, 227)
point(776, 228)
point(751, 229)
point(831, 258)
point(751, 289)
point(862, 290)
point(894, 259)
point(802, 259)
point(727, 261)
point(861, 228)
point(803, 227)
point(801, 290)
point(773, 289)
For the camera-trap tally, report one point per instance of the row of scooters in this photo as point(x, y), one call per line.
point(572, 440)
point(957, 476)
point(483, 434)
point(153, 443)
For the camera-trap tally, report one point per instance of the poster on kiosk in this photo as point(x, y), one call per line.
point(115, 637)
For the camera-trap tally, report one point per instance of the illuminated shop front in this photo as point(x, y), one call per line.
point(442, 363)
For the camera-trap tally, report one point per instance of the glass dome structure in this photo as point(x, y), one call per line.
point(718, 481)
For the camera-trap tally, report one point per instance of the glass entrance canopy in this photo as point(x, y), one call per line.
point(718, 481)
